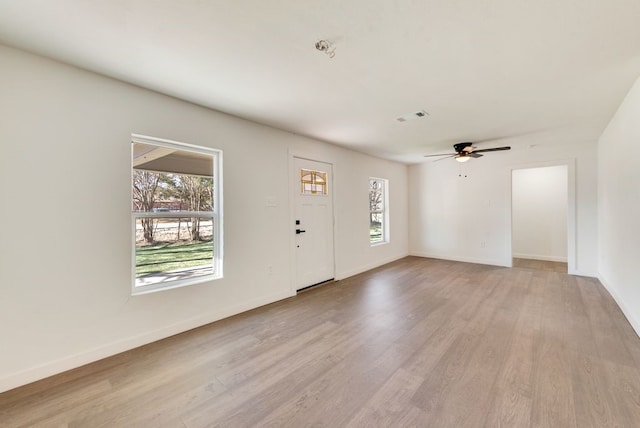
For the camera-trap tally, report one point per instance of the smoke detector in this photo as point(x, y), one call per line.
point(411, 116)
point(327, 47)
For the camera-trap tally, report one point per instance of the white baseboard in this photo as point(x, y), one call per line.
point(503, 263)
point(631, 317)
point(361, 269)
point(15, 380)
point(582, 273)
point(539, 257)
point(491, 262)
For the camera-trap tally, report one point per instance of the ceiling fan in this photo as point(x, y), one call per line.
point(466, 151)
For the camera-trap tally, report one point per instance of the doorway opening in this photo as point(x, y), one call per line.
point(539, 216)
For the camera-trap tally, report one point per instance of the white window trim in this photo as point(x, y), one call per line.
point(218, 238)
point(385, 212)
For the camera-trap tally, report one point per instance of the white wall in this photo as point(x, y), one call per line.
point(619, 206)
point(451, 216)
point(66, 251)
point(539, 213)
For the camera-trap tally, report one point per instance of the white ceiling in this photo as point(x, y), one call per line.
point(513, 71)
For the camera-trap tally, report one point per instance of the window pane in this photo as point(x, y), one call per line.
point(171, 180)
point(376, 227)
point(180, 248)
point(175, 217)
point(376, 195)
point(313, 182)
point(163, 192)
point(377, 210)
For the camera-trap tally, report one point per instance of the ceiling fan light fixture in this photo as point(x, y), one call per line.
point(462, 157)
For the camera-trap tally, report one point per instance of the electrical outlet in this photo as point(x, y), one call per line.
point(483, 244)
point(270, 270)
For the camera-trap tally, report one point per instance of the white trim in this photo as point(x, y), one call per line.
point(218, 200)
point(179, 145)
point(581, 273)
point(628, 313)
point(353, 272)
point(175, 214)
point(378, 243)
point(140, 290)
point(293, 185)
point(491, 262)
point(540, 257)
point(292, 221)
point(571, 209)
point(33, 374)
point(385, 212)
point(216, 215)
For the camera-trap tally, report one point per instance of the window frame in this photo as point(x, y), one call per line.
point(216, 215)
point(384, 211)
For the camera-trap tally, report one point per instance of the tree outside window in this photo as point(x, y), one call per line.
point(175, 215)
point(377, 210)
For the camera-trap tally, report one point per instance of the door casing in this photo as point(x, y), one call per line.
point(294, 185)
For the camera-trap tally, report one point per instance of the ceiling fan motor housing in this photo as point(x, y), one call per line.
point(461, 146)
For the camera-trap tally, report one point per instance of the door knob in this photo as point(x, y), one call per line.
point(299, 231)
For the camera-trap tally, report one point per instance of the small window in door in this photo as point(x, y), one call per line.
point(313, 182)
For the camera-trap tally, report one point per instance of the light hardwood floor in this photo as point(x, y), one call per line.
point(540, 265)
point(418, 342)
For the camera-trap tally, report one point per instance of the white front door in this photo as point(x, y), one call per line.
point(313, 222)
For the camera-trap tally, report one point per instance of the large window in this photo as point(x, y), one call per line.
point(378, 214)
point(176, 214)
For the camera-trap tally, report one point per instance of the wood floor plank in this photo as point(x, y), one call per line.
point(594, 405)
point(553, 401)
point(607, 338)
point(509, 408)
point(472, 394)
point(624, 384)
point(379, 355)
point(388, 407)
point(244, 389)
point(47, 411)
point(515, 374)
point(577, 320)
point(418, 342)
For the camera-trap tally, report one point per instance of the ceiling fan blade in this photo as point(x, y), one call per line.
point(450, 156)
point(441, 154)
point(475, 155)
point(495, 149)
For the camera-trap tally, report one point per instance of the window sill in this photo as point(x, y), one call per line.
point(147, 289)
